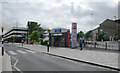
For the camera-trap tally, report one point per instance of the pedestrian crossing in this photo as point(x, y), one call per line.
point(21, 52)
point(30, 51)
point(12, 52)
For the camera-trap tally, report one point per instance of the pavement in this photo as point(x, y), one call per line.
point(102, 58)
point(5, 62)
point(0, 60)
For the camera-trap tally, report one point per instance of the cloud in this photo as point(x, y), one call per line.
point(57, 13)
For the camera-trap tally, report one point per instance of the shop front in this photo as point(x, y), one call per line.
point(60, 37)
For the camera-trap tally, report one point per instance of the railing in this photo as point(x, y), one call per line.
point(102, 45)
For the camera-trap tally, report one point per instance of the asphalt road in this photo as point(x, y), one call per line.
point(29, 60)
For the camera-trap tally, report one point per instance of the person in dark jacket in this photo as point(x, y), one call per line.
point(80, 43)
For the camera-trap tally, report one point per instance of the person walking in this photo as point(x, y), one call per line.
point(80, 43)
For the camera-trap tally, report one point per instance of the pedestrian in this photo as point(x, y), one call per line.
point(80, 43)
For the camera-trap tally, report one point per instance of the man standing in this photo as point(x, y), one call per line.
point(80, 43)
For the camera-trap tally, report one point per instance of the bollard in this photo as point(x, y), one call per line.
point(106, 45)
point(48, 48)
point(95, 45)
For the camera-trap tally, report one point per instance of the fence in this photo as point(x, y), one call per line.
point(103, 45)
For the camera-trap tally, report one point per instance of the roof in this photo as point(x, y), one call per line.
point(106, 26)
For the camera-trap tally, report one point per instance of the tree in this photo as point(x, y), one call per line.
point(80, 35)
point(88, 34)
point(35, 35)
point(13, 38)
point(101, 36)
point(33, 26)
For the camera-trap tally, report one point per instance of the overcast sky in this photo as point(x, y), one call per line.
point(57, 13)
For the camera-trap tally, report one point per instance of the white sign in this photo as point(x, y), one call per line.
point(74, 35)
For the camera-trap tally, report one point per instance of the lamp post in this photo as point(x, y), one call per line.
point(2, 28)
point(48, 39)
point(92, 29)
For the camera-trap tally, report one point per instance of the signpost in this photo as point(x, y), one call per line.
point(2, 28)
point(74, 35)
point(48, 40)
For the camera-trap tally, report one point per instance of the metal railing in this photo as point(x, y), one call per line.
point(102, 45)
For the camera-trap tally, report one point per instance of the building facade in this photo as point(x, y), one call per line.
point(19, 32)
point(110, 28)
point(59, 37)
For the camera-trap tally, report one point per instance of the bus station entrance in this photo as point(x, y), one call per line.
point(60, 37)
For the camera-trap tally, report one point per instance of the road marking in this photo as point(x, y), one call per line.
point(16, 64)
point(30, 51)
point(20, 51)
point(12, 52)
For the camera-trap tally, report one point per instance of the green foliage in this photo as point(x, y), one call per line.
point(80, 35)
point(39, 39)
point(101, 36)
point(35, 35)
point(88, 34)
point(14, 38)
point(34, 26)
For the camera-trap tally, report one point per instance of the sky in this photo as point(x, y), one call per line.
point(88, 14)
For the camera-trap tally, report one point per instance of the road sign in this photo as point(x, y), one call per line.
point(74, 35)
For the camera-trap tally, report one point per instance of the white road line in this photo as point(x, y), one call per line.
point(20, 51)
point(30, 51)
point(16, 64)
point(12, 52)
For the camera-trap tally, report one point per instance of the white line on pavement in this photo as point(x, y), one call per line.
point(12, 52)
point(30, 51)
point(20, 51)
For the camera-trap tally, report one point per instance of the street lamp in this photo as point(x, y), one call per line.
point(2, 28)
point(48, 39)
point(92, 29)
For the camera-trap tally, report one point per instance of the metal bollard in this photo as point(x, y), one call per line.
point(48, 48)
point(95, 45)
point(106, 45)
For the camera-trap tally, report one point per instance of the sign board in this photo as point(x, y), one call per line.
point(74, 35)
point(57, 30)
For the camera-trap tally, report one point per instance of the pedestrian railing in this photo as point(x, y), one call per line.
point(102, 45)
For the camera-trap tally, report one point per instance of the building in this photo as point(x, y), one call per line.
point(110, 28)
point(59, 37)
point(19, 32)
point(95, 33)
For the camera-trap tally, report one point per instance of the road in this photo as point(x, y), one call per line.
point(29, 60)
